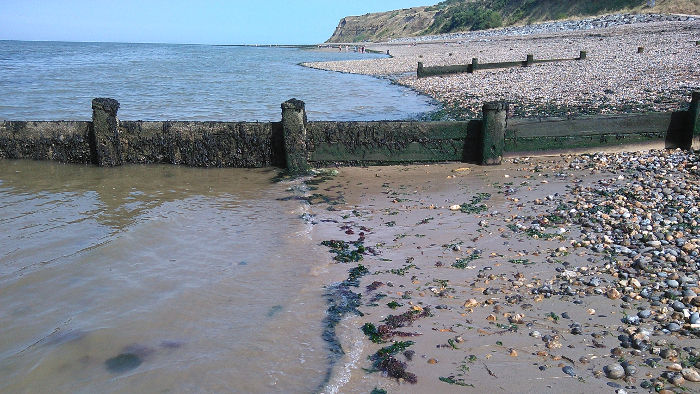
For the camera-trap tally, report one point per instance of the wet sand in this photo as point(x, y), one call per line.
point(506, 297)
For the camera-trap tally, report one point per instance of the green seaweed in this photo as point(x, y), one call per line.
point(342, 251)
point(475, 205)
point(370, 330)
point(390, 350)
point(521, 261)
point(464, 262)
point(455, 381)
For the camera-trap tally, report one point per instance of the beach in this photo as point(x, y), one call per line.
point(570, 273)
point(563, 273)
point(614, 78)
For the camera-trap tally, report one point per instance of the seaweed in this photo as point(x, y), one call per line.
point(355, 275)
point(341, 301)
point(344, 253)
point(521, 261)
point(374, 286)
point(371, 331)
point(464, 262)
point(384, 360)
point(456, 381)
point(406, 318)
point(475, 205)
point(394, 305)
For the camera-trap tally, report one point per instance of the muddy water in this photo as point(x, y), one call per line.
point(201, 279)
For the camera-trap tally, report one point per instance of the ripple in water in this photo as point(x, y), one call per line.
point(58, 80)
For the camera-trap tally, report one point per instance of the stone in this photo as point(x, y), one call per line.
point(614, 371)
point(691, 375)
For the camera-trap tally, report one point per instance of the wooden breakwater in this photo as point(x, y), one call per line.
point(474, 66)
point(298, 144)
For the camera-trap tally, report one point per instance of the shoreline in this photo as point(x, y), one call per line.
point(613, 79)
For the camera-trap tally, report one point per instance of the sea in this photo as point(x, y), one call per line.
point(158, 278)
point(58, 80)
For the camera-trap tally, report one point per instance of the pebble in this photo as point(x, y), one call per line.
point(569, 370)
point(691, 375)
point(614, 371)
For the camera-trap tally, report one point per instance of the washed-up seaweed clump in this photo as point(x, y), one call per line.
point(384, 360)
point(476, 204)
point(388, 330)
point(346, 252)
point(372, 333)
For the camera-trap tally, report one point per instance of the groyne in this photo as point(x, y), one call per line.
point(298, 144)
point(423, 71)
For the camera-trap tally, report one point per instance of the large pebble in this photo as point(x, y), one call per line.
point(614, 371)
point(691, 375)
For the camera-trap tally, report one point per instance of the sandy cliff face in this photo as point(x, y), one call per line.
point(383, 25)
point(449, 16)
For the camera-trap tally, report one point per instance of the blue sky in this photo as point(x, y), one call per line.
point(177, 21)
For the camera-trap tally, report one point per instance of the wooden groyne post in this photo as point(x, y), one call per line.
point(104, 133)
point(694, 120)
point(493, 132)
point(294, 129)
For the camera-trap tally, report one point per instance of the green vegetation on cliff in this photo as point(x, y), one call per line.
point(463, 15)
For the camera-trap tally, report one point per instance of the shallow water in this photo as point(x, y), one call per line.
point(203, 276)
point(58, 80)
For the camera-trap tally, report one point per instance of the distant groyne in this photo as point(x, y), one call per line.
point(298, 144)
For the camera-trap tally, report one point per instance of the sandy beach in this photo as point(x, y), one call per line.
point(572, 273)
point(614, 78)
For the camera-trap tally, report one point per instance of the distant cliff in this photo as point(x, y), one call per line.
point(462, 15)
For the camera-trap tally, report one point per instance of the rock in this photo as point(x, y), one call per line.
point(613, 294)
point(569, 370)
point(614, 371)
point(676, 379)
point(667, 354)
point(691, 375)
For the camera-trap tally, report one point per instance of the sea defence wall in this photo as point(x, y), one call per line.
point(298, 144)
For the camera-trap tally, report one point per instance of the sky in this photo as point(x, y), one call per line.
point(184, 22)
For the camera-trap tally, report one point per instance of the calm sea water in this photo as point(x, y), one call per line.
point(58, 80)
point(202, 276)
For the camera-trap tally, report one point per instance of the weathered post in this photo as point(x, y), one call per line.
point(419, 72)
point(493, 132)
point(530, 60)
point(582, 55)
point(640, 49)
point(294, 129)
point(475, 65)
point(694, 120)
point(104, 133)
